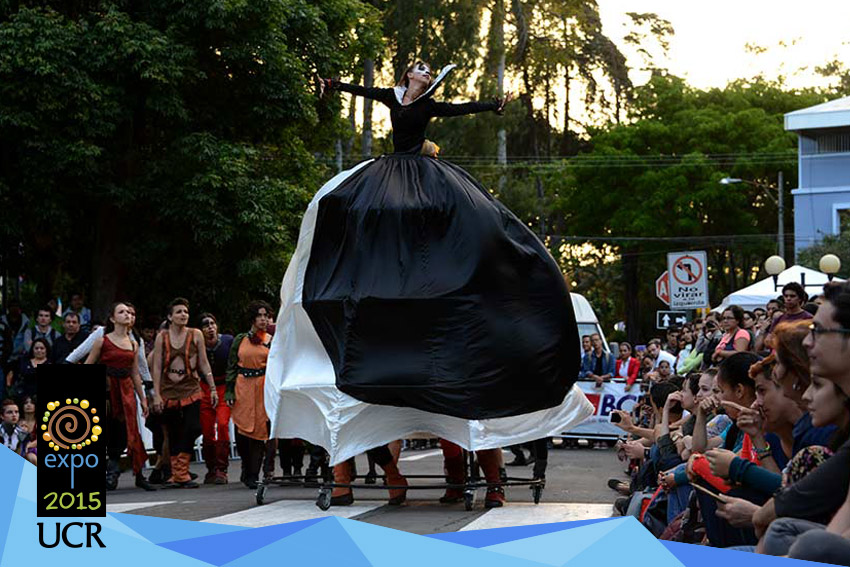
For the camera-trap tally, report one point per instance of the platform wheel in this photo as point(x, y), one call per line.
point(537, 492)
point(323, 501)
point(261, 494)
point(468, 500)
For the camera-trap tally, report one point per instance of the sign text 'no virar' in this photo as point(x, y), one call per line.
point(688, 279)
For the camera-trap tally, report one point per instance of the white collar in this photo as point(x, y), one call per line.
point(400, 90)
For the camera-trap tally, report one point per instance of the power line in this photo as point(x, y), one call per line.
point(719, 237)
point(611, 161)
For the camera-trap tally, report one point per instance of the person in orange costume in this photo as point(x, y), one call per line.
point(246, 373)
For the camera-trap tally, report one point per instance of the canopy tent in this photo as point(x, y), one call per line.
point(759, 293)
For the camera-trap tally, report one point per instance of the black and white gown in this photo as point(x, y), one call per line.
point(416, 302)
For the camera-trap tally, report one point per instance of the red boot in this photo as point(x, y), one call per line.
point(222, 460)
point(455, 470)
point(342, 475)
point(489, 461)
point(208, 450)
point(395, 478)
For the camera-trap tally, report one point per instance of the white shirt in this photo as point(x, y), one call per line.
point(82, 351)
point(664, 355)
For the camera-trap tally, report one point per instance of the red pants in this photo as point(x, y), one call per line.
point(214, 421)
point(122, 398)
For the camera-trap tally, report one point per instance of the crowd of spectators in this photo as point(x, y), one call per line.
point(25, 344)
point(741, 438)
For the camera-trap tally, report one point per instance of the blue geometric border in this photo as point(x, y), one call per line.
point(145, 541)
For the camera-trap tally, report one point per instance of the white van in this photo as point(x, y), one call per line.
point(586, 319)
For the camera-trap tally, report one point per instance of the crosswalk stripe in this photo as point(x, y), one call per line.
point(526, 513)
point(121, 507)
point(284, 511)
point(420, 456)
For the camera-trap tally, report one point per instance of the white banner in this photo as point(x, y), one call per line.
point(606, 398)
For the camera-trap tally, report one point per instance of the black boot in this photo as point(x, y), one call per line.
point(113, 471)
point(143, 483)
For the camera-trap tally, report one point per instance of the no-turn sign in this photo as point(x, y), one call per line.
point(688, 280)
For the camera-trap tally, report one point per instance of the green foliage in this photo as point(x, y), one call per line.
point(171, 144)
point(624, 189)
point(831, 244)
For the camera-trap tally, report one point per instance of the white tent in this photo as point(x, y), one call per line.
point(759, 293)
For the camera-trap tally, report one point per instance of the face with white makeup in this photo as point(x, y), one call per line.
point(417, 77)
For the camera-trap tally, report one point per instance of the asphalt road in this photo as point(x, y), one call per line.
point(576, 488)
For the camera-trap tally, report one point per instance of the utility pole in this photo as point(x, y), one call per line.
point(781, 220)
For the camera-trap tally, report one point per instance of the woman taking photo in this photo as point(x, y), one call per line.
point(118, 351)
point(735, 338)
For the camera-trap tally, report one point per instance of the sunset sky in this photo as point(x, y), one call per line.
point(709, 46)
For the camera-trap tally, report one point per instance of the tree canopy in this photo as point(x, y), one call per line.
point(164, 147)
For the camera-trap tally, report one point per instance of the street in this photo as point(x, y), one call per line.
point(576, 489)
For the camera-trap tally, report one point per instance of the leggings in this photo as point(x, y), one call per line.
point(183, 425)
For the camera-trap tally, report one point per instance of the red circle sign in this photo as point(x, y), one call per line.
point(689, 268)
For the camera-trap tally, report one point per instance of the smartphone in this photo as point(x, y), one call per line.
point(615, 417)
point(716, 495)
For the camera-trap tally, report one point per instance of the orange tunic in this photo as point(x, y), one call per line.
point(249, 410)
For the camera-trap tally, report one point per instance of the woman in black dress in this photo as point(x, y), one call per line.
point(417, 302)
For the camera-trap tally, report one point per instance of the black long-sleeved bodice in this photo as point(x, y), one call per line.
point(409, 121)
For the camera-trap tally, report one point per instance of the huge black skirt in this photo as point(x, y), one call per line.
point(428, 293)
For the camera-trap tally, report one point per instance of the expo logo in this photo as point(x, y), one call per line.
point(69, 430)
point(70, 427)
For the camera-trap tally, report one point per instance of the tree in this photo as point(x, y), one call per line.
point(831, 244)
point(659, 178)
point(164, 148)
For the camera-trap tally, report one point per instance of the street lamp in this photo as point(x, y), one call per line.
point(780, 203)
point(774, 266)
point(829, 264)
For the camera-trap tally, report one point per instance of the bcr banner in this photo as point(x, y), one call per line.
point(606, 398)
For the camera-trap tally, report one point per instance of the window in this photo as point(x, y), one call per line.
point(840, 218)
point(832, 143)
point(843, 221)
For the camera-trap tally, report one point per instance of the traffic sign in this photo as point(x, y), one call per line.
point(664, 319)
point(688, 280)
point(662, 288)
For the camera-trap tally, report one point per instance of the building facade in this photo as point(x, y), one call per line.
point(822, 199)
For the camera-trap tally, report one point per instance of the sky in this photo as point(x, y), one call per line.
point(708, 48)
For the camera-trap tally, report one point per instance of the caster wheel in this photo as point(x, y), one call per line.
point(324, 500)
point(468, 500)
point(537, 492)
point(261, 494)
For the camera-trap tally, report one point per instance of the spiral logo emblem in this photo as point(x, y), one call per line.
point(72, 425)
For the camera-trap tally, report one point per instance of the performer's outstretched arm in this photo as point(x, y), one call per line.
point(381, 95)
point(449, 109)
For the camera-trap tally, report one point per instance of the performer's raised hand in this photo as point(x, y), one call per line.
point(503, 102)
point(321, 84)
